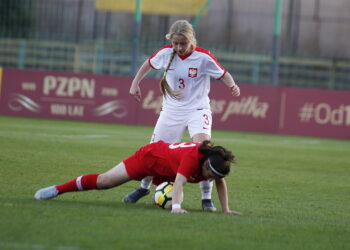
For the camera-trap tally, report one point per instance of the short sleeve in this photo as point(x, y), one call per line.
point(160, 59)
point(213, 68)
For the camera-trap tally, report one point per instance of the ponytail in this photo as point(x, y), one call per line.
point(164, 86)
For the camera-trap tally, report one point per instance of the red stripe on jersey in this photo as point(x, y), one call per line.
point(222, 75)
point(164, 47)
point(186, 56)
point(205, 51)
point(150, 64)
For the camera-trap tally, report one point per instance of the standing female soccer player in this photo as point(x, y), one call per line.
point(179, 162)
point(185, 87)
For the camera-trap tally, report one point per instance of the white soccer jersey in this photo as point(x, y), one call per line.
point(190, 75)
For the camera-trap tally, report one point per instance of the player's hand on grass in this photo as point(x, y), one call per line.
point(135, 91)
point(232, 212)
point(178, 211)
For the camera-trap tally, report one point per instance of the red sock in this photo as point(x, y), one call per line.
point(81, 183)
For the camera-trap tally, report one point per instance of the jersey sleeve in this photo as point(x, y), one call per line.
point(213, 68)
point(160, 59)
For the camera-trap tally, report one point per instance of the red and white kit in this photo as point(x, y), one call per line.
point(191, 76)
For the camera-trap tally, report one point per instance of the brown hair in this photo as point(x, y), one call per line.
point(220, 158)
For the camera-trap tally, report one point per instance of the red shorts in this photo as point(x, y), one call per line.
point(143, 163)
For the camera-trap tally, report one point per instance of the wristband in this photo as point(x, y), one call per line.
point(175, 206)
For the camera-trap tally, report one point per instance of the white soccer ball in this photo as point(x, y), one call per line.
point(163, 195)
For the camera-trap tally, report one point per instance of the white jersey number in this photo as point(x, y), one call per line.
point(182, 145)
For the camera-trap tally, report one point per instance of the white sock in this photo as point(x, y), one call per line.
point(206, 188)
point(146, 182)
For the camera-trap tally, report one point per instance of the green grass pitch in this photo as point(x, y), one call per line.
point(294, 192)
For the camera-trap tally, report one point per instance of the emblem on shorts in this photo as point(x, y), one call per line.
point(192, 72)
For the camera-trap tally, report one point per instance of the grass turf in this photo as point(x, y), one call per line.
point(293, 191)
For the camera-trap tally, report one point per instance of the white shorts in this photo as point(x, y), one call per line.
point(171, 125)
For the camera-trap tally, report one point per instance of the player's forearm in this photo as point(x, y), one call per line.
point(228, 80)
point(179, 183)
point(141, 73)
point(177, 193)
point(222, 193)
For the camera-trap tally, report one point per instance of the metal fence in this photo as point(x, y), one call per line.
point(101, 57)
point(70, 35)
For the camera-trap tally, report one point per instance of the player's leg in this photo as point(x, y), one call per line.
point(206, 187)
point(206, 190)
point(112, 178)
point(140, 192)
point(199, 127)
point(169, 128)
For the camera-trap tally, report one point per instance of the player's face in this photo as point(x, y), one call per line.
point(181, 45)
point(207, 173)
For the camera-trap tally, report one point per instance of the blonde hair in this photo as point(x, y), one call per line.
point(184, 28)
point(164, 85)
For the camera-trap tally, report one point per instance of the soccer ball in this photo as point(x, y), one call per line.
point(163, 195)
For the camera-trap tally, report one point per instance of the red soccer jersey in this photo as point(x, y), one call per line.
point(163, 161)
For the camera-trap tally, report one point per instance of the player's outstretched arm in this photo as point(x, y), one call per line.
point(179, 183)
point(141, 73)
point(222, 193)
point(228, 80)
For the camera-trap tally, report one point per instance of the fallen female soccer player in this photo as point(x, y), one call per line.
point(179, 163)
